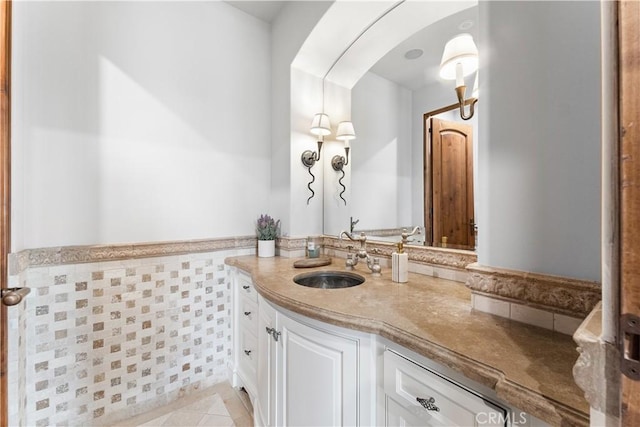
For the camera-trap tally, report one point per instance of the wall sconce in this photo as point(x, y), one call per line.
point(345, 133)
point(321, 127)
point(459, 59)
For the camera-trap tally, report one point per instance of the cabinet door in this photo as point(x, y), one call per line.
point(265, 405)
point(319, 376)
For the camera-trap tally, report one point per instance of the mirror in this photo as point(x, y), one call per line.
point(389, 168)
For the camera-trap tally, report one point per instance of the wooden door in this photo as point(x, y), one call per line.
point(452, 184)
point(5, 188)
point(629, 63)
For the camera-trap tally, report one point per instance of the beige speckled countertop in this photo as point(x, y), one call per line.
point(528, 367)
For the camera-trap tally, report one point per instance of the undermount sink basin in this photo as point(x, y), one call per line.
point(329, 279)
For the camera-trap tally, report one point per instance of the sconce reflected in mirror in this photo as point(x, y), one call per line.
point(460, 59)
point(345, 133)
point(321, 127)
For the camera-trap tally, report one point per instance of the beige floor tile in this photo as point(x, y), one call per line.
point(183, 419)
point(216, 421)
point(235, 407)
point(156, 422)
point(245, 421)
point(220, 405)
point(213, 405)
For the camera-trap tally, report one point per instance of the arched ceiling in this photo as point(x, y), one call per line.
point(345, 20)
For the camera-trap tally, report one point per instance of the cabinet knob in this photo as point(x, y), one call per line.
point(246, 313)
point(247, 352)
point(246, 287)
point(428, 404)
point(270, 331)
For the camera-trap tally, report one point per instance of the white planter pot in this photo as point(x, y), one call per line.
point(266, 248)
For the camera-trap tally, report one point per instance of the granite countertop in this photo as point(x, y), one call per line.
point(528, 367)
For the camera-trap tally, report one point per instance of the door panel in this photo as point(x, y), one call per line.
point(452, 183)
point(266, 368)
point(327, 394)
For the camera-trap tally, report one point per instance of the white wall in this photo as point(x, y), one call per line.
point(288, 201)
point(306, 100)
point(381, 155)
point(540, 131)
point(138, 121)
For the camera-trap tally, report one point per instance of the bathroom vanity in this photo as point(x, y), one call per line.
point(384, 353)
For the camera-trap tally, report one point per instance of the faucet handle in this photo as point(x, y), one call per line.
point(376, 270)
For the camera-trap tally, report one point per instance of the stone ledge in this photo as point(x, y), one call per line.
point(61, 255)
point(573, 297)
point(449, 258)
point(597, 370)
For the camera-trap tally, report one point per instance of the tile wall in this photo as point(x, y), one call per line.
point(98, 342)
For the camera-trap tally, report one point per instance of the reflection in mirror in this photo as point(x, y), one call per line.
point(391, 173)
point(449, 176)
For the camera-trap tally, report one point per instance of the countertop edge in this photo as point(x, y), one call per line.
point(525, 399)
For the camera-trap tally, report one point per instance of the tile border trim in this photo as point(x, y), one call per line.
point(64, 255)
point(450, 258)
point(563, 295)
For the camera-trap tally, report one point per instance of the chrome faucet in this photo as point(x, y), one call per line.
point(372, 263)
point(405, 235)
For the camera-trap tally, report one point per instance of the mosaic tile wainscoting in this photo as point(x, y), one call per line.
point(103, 341)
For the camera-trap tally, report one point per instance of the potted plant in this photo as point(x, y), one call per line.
point(267, 229)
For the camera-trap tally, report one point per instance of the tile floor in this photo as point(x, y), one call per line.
point(218, 406)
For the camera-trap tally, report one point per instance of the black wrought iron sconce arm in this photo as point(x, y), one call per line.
point(338, 163)
point(309, 158)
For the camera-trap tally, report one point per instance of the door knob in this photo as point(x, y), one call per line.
point(13, 296)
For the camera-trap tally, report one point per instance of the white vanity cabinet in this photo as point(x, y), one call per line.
point(245, 320)
point(307, 375)
point(300, 371)
point(264, 406)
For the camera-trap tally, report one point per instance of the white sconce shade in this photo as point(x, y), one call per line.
point(345, 131)
point(459, 50)
point(321, 125)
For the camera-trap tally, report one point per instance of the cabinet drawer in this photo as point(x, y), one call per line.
point(246, 287)
point(248, 352)
point(248, 314)
point(447, 403)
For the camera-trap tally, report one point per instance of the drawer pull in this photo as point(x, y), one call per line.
point(428, 404)
point(246, 313)
point(270, 331)
point(247, 352)
point(246, 287)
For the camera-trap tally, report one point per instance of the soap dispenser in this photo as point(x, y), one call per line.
point(400, 265)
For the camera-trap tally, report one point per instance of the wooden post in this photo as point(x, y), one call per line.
point(5, 187)
point(629, 24)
